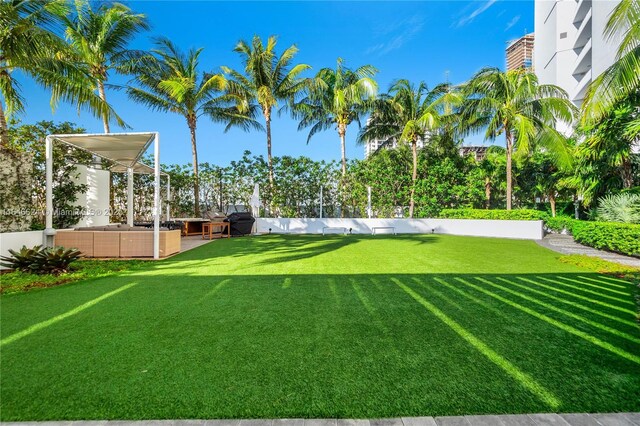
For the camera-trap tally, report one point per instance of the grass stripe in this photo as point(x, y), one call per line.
point(577, 296)
point(573, 304)
point(586, 290)
point(44, 324)
point(562, 311)
point(589, 338)
point(604, 282)
point(521, 377)
point(599, 287)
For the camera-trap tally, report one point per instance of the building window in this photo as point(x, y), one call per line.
point(563, 35)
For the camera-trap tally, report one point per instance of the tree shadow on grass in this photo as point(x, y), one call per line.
point(325, 345)
point(282, 248)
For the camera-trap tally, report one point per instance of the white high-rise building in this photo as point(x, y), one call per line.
point(372, 146)
point(570, 49)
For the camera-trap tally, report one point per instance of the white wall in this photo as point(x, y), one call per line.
point(15, 241)
point(96, 200)
point(521, 229)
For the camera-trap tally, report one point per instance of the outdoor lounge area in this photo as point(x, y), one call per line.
point(312, 326)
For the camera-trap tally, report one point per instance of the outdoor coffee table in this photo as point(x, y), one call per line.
point(207, 227)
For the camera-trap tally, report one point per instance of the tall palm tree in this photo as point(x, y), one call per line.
point(29, 42)
point(99, 39)
point(337, 97)
point(168, 80)
point(514, 104)
point(267, 80)
point(408, 114)
point(621, 79)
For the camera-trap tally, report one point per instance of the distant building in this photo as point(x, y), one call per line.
point(372, 146)
point(520, 53)
point(477, 152)
point(571, 49)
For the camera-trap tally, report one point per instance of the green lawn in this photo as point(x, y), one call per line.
point(340, 326)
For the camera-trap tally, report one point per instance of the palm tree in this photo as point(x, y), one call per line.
point(621, 79)
point(99, 39)
point(409, 114)
point(337, 98)
point(514, 104)
point(168, 80)
point(29, 42)
point(267, 80)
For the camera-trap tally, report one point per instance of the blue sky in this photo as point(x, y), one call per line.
point(425, 41)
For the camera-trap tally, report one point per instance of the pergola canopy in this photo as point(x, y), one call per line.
point(124, 149)
point(138, 168)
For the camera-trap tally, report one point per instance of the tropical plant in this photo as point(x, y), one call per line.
point(29, 42)
point(39, 260)
point(623, 77)
point(623, 207)
point(337, 97)
point(609, 141)
point(266, 80)
point(513, 103)
point(492, 168)
point(169, 80)
point(98, 41)
point(406, 115)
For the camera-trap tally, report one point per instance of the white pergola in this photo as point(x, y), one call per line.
point(125, 151)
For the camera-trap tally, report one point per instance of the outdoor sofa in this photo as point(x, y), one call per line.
point(118, 241)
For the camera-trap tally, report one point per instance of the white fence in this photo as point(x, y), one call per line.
point(520, 229)
point(15, 241)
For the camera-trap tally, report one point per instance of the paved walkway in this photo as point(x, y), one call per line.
point(618, 419)
point(566, 245)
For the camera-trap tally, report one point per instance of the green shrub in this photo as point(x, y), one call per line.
point(522, 214)
point(559, 223)
point(39, 260)
point(621, 238)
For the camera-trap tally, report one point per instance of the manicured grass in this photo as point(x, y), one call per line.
point(339, 326)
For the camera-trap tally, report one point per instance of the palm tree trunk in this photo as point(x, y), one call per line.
point(414, 175)
point(4, 133)
point(267, 118)
point(487, 192)
point(509, 137)
point(552, 201)
point(103, 97)
point(342, 131)
point(626, 172)
point(191, 121)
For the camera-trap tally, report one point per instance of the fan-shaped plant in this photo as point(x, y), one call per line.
point(624, 207)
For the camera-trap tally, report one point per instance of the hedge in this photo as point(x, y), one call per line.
point(520, 214)
point(621, 238)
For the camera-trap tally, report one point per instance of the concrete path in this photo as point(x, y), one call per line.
point(617, 419)
point(566, 245)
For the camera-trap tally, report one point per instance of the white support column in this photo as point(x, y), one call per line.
point(168, 198)
point(156, 197)
point(130, 196)
point(49, 232)
point(321, 201)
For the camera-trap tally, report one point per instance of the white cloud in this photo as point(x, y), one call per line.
point(473, 15)
point(399, 33)
point(512, 22)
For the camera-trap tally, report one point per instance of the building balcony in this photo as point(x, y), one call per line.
point(583, 61)
point(584, 31)
point(581, 88)
point(582, 8)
